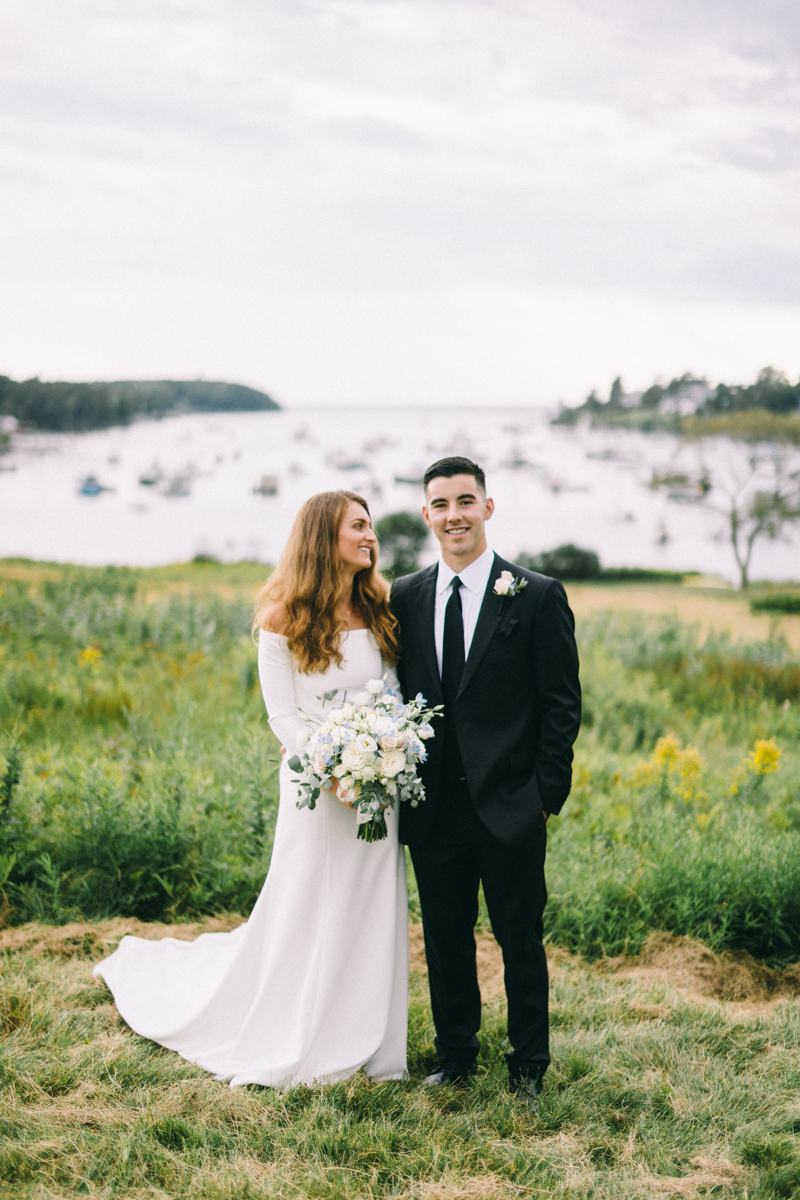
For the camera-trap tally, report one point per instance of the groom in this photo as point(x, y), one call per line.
point(495, 644)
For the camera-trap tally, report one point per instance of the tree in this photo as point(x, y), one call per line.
point(615, 396)
point(756, 488)
point(402, 536)
point(758, 500)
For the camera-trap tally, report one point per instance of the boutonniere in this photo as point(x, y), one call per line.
point(507, 585)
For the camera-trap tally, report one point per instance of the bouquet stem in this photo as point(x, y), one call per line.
point(374, 830)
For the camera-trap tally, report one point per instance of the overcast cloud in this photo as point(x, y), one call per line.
point(400, 201)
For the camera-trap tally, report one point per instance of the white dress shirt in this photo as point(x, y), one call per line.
point(474, 579)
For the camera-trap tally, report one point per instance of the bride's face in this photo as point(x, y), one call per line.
point(356, 539)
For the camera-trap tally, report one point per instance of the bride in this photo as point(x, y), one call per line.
point(314, 986)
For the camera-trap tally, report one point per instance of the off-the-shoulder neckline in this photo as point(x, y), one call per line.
point(271, 632)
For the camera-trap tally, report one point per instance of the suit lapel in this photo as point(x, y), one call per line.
point(493, 610)
point(424, 613)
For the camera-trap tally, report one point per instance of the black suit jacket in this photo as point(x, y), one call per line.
point(518, 709)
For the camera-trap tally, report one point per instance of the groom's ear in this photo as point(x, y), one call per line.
point(425, 516)
point(489, 508)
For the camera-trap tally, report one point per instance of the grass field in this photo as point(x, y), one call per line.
point(658, 1087)
point(713, 609)
point(137, 788)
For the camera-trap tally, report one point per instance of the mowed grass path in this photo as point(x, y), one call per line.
point(657, 1088)
point(713, 609)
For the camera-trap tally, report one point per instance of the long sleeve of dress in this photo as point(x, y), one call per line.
point(276, 674)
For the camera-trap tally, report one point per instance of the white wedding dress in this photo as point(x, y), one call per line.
point(314, 986)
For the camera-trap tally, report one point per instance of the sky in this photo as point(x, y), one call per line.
point(385, 202)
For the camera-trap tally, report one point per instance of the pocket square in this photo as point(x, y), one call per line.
point(507, 630)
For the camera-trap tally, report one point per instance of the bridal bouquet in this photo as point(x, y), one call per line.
point(371, 744)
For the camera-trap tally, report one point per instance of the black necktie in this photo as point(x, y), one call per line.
point(453, 645)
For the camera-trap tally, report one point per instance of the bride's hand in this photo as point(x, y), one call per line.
point(335, 790)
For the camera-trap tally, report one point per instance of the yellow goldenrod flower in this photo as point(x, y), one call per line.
point(689, 764)
point(764, 757)
point(645, 773)
point(667, 750)
point(90, 655)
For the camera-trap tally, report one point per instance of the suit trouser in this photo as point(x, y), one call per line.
point(457, 855)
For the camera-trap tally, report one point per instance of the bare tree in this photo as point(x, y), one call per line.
point(755, 487)
point(758, 492)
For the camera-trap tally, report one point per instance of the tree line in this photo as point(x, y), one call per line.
point(77, 407)
point(771, 392)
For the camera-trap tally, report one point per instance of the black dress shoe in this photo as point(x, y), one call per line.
point(444, 1075)
point(527, 1089)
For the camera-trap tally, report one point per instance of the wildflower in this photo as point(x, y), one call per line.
point(689, 765)
point(764, 757)
point(667, 750)
point(645, 773)
point(90, 655)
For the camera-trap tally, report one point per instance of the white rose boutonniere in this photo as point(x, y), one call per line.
point(507, 585)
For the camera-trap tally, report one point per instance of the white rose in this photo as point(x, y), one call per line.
point(392, 762)
point(503, 585)
point(362, 698)
point(388, 742)
point(382, 726)
point(336, 716)
point(375, 686)
point(425, 731)
point(353, 757)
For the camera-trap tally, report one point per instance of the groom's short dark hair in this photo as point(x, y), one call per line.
point(446, 468)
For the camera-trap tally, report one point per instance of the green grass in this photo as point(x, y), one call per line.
point(130, 701)
point(644, 1083)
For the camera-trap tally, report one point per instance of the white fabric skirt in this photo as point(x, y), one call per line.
point(312, 988)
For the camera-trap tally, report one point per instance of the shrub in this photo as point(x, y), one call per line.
point(778, 602)
point(566, 563)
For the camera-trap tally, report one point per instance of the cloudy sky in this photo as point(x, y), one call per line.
point(392, 201)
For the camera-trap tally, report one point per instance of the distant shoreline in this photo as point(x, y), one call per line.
point(62, 407)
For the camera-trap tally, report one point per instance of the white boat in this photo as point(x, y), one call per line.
point(178, 486)
point(267, 487)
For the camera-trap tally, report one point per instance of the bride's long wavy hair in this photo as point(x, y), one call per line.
point(307, 583)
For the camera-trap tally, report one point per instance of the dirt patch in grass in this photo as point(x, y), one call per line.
point(100, 938)
point(709, 1173)
point(682, 962)
point(484, 1187)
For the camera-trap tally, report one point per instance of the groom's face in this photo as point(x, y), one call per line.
point(457, 510)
